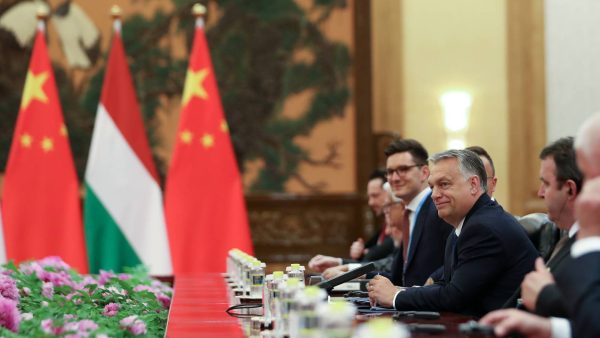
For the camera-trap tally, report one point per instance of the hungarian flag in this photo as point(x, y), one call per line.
point(204, 202)
point(41, 208)
point(123, 212)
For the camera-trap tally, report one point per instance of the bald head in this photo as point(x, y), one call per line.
point(587, 145)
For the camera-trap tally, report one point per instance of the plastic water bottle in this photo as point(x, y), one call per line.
point(267, 287)
point(257, 276)
point(275, 294)
point(336, 318)
point(296, 271)
point(286, 303)
point(304, 320)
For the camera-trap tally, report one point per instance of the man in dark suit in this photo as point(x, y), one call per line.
point(379, 246)
point(561, 182)
point(579, 279)
point(424, 234)
point(486, 256)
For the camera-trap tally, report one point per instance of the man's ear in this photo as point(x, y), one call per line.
point(425, 171)
point(571, 189)
point(475, 184)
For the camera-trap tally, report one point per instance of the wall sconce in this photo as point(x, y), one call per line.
point(456, 106)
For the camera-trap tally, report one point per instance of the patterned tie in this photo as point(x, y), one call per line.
point(405, 234)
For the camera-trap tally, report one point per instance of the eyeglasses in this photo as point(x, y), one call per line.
point(401, 170)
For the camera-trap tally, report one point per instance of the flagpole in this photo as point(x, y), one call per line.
point(42, 15)
point(115, 13)
point(199, 11)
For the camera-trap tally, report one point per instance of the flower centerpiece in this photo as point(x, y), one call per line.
point(47, 298)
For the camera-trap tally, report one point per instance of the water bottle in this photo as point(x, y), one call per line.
point(296, 271)
point(336, 318)
point(275, 293)
point(266, 296)
point(304, 320)
point(257, 276)
point(285, 303)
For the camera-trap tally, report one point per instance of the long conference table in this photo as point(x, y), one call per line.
point(199, 304)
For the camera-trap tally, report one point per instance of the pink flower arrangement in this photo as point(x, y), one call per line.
point(48, 327)
point(9, 314)
point(110, 303)
point(48, 290)
point(8, 288)
point(134, 325)
point(111, 309)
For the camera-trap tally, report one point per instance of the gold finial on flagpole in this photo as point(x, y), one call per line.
point(115, 12)
point(42, 12)
point(199, 10)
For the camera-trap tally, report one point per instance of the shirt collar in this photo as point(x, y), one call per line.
point(459, 228)
point(414, 203)
point(574, 229)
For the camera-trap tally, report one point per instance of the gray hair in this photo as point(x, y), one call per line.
point(469, 164)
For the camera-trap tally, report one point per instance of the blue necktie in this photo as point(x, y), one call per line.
point(449, 256)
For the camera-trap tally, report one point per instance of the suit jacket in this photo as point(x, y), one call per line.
point(579, 282)
point(550, 301)
point(482, 269)
point(426, 250)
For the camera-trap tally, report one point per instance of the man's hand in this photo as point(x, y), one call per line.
point(587, 209)
point(534, 282)
point(320, 262)
point(357, 249)
point(335, 271)
point(382, 291)
point(516, 321)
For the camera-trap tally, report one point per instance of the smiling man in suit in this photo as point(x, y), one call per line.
point(424, 234)
point(486, 256)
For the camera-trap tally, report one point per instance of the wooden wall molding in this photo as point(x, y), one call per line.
point(526, 102)
point(362, 94)
point(294, 228)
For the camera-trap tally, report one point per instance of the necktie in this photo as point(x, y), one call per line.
point(559, 245)
point(449, 256)
point(405, 234)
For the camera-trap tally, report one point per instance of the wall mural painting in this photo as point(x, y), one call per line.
point(254, 46)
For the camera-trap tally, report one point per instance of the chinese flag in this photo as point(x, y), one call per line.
point(41, 208)
point(204, 203)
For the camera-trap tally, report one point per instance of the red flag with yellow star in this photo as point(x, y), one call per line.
point(204, 202)
point(41, 207)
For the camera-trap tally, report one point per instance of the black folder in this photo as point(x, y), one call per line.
point(345, 277)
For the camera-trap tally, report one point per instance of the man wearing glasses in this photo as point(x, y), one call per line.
point(424, 234)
